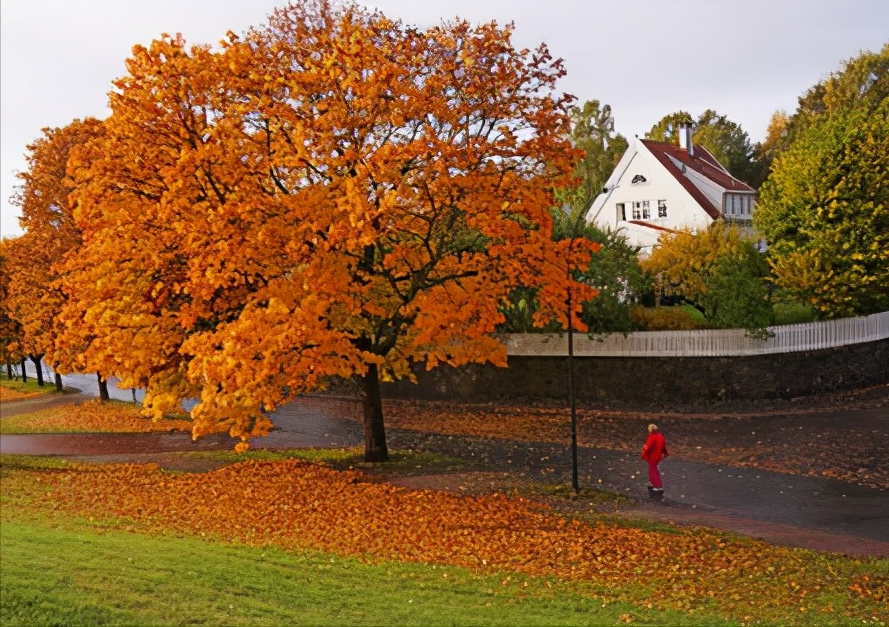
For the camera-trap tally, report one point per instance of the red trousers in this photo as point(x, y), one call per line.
point(654, 475)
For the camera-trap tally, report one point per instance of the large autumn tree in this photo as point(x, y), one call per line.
point(10, 327)
point(825, 209)
point(333, 194)
point(860, 82)
point(36, 259)
point(825, 213)
point(26, 328)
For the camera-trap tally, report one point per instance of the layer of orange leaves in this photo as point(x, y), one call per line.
point(96, 416)
point(295, 504)
point(8, 394)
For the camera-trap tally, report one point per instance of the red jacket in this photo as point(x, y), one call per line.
point(655, 448)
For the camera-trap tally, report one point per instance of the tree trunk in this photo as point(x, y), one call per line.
point(59, 387)
point(374, 432)
point(103, 388)
point(36, 361)
point(24, 373)
point(8, 369)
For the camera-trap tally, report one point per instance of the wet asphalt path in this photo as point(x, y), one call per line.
point(842, 516)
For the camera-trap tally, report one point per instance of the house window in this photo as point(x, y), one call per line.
point(621, 212)
point(637, 210)
point(662, 208)
point(646, 210)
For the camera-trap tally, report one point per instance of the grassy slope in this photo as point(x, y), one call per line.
point(60, 569)
point(80, 576)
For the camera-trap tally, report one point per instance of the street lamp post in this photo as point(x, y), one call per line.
point(575, 226)
point(574, 482)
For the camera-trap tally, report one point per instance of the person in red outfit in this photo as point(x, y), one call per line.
point(653, 452)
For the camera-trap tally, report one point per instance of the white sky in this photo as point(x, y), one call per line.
point(646, 58)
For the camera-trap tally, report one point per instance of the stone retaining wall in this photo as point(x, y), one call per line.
point(644, 380)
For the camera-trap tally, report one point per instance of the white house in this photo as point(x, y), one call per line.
point(658, 187)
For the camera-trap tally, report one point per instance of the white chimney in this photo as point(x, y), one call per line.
point(685, 142)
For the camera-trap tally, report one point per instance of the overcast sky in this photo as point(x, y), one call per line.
point(646, 58)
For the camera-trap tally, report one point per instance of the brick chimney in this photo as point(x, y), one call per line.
point(685, 134)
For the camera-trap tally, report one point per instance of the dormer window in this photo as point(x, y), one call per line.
point(639, 179)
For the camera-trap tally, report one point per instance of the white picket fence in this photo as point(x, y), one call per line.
point(789, 338)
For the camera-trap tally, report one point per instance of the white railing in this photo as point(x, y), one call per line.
point(789, 338)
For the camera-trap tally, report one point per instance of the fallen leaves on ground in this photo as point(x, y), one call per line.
point(91, 417)
point(292, 503)
point(8, 394)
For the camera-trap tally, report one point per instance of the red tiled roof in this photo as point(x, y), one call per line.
point(701, 162)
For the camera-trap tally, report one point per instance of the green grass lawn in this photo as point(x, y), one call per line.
point(793, 313)
point(694, 313)
point(79, 576)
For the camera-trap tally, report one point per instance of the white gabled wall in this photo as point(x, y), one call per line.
point(682, 210)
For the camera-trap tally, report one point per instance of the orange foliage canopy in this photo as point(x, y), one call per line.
point(10, 327)
point(34, 262)
point(334, 194)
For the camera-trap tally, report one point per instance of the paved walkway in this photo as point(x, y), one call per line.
point(815, 513)
point(38, 403)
